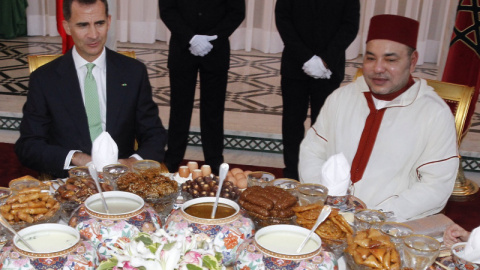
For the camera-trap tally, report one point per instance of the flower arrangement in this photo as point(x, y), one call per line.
point(164, 251)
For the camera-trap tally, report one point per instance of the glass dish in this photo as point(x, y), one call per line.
point(4, 194)
point(287, 184)
point(163, 206)
point(311, 194)
point(260, 179)
point(146, 166)
point(25, 182)
point(368, 218)
point(261, 222)
point(112, 172)
point(420, 251)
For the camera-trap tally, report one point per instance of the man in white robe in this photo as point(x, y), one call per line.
point(396, 132)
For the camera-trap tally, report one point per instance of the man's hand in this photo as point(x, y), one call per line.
point(128, 161)
point(200, 44)
point(455, 234)
point(80, 159)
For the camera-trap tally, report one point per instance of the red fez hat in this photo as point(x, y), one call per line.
point(393, 27)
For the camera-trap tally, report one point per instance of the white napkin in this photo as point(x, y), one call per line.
point(104, 151)
point(336, 175)
point(472, 248)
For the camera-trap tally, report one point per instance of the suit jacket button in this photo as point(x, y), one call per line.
point(199, 14)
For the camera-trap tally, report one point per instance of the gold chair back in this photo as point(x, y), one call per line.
point(35, 61)
point(458, 97)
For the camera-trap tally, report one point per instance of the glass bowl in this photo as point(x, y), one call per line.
point(112, 172)
point(260, 179)
point(163, 205)
point(261, 222)
point(18, 184)
point(53, 218)
point(287, 184)
point(371, 249)
point(4, 194)
point(146, 166)
point(368, 218)
point(79, 172)
point(312, 194)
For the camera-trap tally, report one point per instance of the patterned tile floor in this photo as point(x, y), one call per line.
point(253, 103)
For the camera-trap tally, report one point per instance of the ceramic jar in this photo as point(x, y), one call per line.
point(226, 234)
point(57, 246)
point(274, 247)
point(128, 215)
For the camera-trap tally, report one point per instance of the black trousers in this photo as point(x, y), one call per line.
point(297, 96)
point(213, 87)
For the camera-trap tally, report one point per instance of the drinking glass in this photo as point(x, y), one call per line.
point(146, 166)
point(420, 251)
point(287, 184)
point(80, 172)
point(312, 193)
point(262, 179)
point(114, 171)
point(368, 218)
point(396, 231)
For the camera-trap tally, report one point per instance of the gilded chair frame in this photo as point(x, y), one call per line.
point(36, 61)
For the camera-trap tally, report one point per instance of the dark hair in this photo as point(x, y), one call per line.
point(410, 50)
point(67, 6)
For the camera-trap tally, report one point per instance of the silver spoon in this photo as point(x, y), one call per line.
point(9, 227)
point(93, 173)
point(222, 174)
point(323, 215)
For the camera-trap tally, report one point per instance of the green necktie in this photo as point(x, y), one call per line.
point(91, 104)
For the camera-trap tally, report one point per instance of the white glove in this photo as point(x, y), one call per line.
point(200, 44)
point(316, 69)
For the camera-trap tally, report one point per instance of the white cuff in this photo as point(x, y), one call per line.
point(68, 159)
point(137, 157)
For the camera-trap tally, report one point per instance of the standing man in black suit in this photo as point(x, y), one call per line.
point(316, 35)
point(199, 44)
point(57, 129)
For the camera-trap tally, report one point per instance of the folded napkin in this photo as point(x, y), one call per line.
point(472, 248)
point(336, 175)
point(104, 151)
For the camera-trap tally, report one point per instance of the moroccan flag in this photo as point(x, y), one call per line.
point(67, 41)
point(463, 61)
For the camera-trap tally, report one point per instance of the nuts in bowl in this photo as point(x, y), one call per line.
point(151, 185)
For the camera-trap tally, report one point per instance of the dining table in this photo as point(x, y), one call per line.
point(465, 212)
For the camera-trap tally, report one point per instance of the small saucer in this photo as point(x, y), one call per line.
point(353, 204)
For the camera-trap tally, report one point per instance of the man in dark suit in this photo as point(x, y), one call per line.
point(199, 44)
point(56, 129)
point(316, 35)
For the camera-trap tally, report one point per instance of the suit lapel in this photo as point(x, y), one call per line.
point(116, 90)
point(71, 97)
